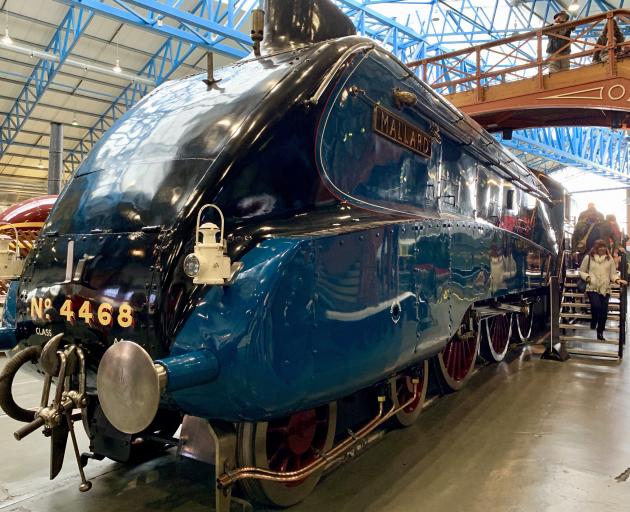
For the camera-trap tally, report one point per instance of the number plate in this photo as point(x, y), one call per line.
point(105, 314)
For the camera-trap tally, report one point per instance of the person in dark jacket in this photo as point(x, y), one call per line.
point(615, 230)
point(559, 46)
point(586, 234)
point(601, 55)
point(591, 215)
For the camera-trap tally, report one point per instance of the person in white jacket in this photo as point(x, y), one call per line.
point(599, 271)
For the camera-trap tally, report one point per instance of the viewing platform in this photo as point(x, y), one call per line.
point(506, 84)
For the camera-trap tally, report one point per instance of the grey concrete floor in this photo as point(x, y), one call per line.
point(525, 435)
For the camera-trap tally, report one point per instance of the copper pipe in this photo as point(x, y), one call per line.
point(229, 478)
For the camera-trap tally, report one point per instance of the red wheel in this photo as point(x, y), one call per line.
point(524, 324)
point(457, 359)
point(497, 337)
point(401, 391)
point(286, 444)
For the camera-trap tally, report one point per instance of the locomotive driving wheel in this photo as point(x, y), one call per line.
point(456, 361)
point(497, 337)
point(524, 324)
point(286, 444)
point(401, 391)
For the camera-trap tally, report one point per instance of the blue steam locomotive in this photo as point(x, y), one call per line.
point(302, 231)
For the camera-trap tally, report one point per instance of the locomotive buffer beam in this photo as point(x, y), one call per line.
point(56, 418)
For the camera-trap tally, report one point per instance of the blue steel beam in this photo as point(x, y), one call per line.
point(212, 22)
point(65, 37)
point(596, 150)
point(160, 67)
point(459, 23)
point(160, 10)
point(205, 28)
point(405, 42)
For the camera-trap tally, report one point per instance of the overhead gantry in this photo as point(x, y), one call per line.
point(516, 90)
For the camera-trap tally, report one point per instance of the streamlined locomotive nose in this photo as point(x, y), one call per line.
point(93, 288)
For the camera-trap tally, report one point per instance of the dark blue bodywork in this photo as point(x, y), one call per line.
point(360, 257)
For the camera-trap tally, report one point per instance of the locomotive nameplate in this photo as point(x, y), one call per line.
point(401, 132)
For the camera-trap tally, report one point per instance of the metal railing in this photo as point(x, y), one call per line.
point(524, 55)
point(623, 304)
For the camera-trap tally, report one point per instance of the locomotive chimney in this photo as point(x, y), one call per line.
point(293, 24)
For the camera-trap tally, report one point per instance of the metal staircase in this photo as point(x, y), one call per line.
point(575, 315)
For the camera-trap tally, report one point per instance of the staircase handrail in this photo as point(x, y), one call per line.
point(623, 303)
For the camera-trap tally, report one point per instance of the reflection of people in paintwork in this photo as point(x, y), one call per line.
point(534, 263)
point(374, 161)
point(502, 268)
point(508, 222)
point(480, 281)
point(424, 313)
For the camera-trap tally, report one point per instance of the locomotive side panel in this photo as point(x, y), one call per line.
point(369, 153)
point(364, 216)
point(334, 295)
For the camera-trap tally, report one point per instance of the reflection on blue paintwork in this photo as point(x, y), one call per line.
point(360, 257)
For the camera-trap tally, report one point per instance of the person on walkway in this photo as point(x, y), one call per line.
point(590, 228)
point(559, 44)
point(591, 215)
point(615, 230)
point(617, 242)
point(599, 271)
point(601, 55)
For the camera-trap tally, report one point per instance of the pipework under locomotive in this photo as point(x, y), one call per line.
point(360, 227)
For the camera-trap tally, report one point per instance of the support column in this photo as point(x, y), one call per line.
point(55, 158)
point(628, 212)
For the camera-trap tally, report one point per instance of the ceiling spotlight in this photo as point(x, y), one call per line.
point(74, 120)
point(7, 39)
point(117, 68)
point(40, 165)
point(574, 7)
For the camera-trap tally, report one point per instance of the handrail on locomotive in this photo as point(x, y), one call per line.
point(462, 70)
